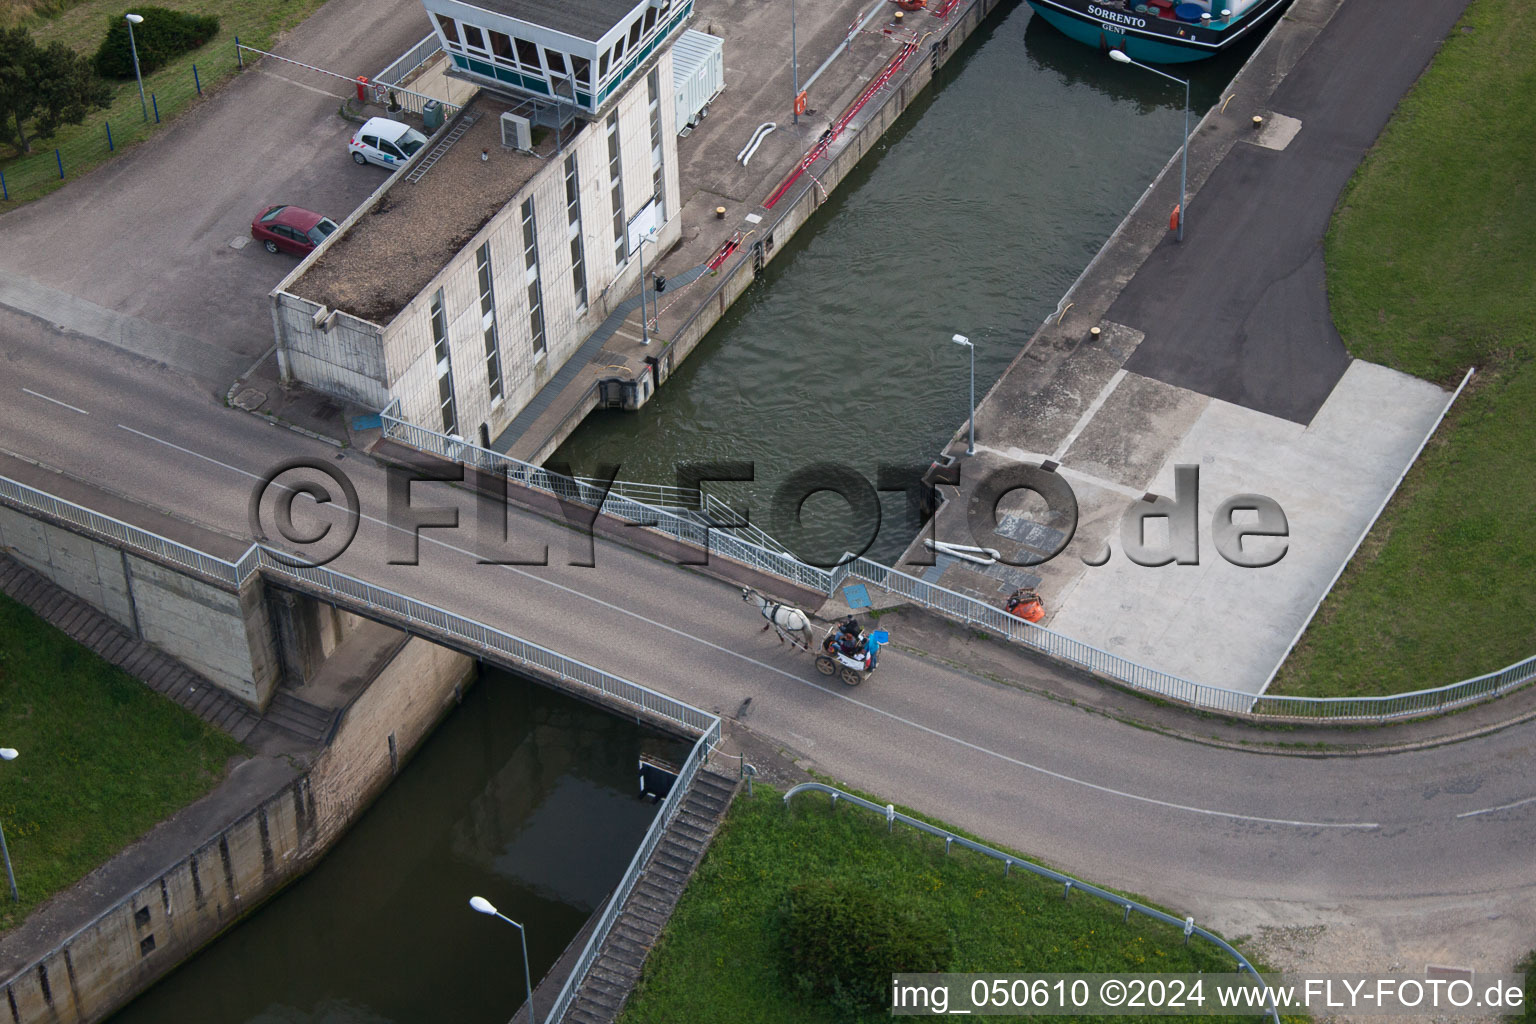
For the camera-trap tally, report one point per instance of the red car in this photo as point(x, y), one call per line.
point(290, 229)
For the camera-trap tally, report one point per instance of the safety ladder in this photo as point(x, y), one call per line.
point(442, 147)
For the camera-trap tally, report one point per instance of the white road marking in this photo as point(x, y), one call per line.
point(55, 401)
point(1088, 414)
point(1208, 812)
point(1501, 807)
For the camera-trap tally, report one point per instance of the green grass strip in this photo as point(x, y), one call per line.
point(1430, 260)
point(103, 758)
point(82, 27)
point(718, 958)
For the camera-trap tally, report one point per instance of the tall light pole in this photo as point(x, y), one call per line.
point(137, 19)
point(483, 906)
point(794, 66)
point(645, 323)
point(8, 754)
point(1120, 56)
point(961, 339)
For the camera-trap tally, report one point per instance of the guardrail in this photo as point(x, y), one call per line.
point(674, 802)
point(1187, 926)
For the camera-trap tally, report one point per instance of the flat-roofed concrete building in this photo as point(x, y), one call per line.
point(460, 291)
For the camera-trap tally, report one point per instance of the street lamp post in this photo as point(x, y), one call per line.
point(1120, 56)
point(482, 905)
point(961, 339)
point(794, 66)
point(645, 324)
point(136, 19)
point(8, 754)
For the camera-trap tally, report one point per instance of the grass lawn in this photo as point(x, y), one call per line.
point(1430, 271)
point(718, 958)
point(82, 26)
point(103, 758)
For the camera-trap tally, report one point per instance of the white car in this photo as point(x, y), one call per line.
point(385, 142)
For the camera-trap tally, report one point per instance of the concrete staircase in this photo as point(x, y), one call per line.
point(617, 967)
point(93, 629)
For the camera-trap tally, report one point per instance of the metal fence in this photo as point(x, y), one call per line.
point(1069, 884)
point(76, 149)
point(400, 69)
point(673, 803)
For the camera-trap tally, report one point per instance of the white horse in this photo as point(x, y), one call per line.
point(788, 621)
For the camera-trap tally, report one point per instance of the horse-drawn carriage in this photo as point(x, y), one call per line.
point(847, 650)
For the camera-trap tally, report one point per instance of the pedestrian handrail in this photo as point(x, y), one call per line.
point(1069, 883)
point(402, 66)
point(673, 803)
point(961, 607)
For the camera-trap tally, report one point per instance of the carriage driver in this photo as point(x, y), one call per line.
point(850, 636)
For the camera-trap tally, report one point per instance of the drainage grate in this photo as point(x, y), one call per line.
point(442, 147)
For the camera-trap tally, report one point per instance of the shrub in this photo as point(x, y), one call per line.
point(843, 940)
point(163, 36)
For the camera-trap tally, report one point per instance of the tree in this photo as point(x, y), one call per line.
point(50, 85)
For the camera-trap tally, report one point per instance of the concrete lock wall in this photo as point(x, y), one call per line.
point(381, 727)
point(224, 636)
point(306, 632)
point(919, 70)
point(125, 950)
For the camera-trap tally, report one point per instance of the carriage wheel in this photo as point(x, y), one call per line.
point(853, 677)
point(825, 665)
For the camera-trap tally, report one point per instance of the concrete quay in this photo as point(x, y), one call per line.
point(859, 80)
point(1218, 354)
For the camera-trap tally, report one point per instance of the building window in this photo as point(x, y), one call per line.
point(444, 370)
point(573, 218)
point(528, 55)
point(634, 34)
point(616, 181)
point(602, 66)
point(473, 37)
point(531, 261)
point(650, 19)
point(658, 179)
point(583, 69)
point(501, 46)
point(555, 59)
point(450, 30)
point(488, 322)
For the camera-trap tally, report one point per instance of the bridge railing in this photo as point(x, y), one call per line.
point(958, 606)
point(115, 531)
point(681, 513)
point(1070, 884)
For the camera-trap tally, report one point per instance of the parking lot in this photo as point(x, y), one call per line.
point(152, 252)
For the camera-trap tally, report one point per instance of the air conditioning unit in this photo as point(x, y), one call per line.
point(516, 133)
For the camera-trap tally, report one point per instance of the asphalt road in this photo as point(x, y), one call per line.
point(1239, 310)
point(1235, 838)
point(148, 234)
